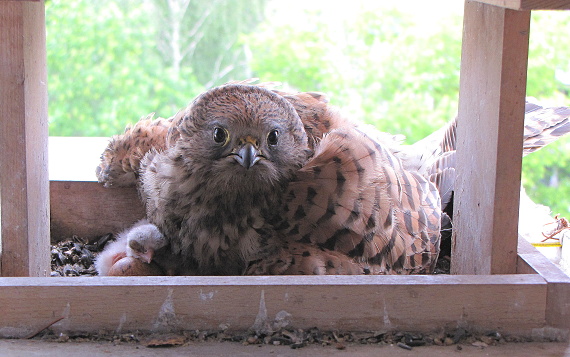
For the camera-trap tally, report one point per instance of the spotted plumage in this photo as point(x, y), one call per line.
point(120, 162)
point(548, 125)
point(252, 181)
point(215, 192)
point(354, 197)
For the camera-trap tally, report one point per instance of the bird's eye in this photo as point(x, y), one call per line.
point(272, 137)
point(221, 135)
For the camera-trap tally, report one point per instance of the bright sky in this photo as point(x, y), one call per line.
point(420, 10)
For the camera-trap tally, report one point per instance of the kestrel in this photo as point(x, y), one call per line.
point(252, 181)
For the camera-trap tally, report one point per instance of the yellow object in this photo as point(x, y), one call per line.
point(543, 244)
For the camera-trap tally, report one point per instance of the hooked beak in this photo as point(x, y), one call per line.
point(247, 155)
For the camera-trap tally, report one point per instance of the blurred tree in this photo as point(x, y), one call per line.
point(103, 69)
point(110, 63)
point(409, 80)
point(546, 173)
point(381, 67)
point(204, 35)
point(402, 75)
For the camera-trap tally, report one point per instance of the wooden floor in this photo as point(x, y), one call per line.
point(47, 349)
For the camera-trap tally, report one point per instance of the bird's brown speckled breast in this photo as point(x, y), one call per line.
point(215, 233)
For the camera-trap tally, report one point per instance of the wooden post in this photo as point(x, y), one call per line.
point(24, 190)
point(489, 145)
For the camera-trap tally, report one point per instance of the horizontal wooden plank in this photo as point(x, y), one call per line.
point(539, 263)
point(507, 303)
point(89, 210)
point(530, 4)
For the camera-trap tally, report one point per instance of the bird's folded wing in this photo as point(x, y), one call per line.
point(120, 162)
point(354, 197)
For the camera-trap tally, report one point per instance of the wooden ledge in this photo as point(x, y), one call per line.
point(558, 305)
point(88, 210)
point(515, 303)
point(529, 4)
point(507, 303)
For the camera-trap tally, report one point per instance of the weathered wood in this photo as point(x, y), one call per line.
point(89, 210)
point(530, 4)
point(489, 137)
point(558, 291)
point(511, 304)
point(24, 195)
point(525, 248)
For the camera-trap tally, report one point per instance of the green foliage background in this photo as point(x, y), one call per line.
point(112, 61)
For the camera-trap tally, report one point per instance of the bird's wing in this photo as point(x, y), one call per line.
point(120, 161)
point(544, 126)
point(317, 115)
point(434, 156)
point(296, 258)
point(156, 176)
point(354, 197)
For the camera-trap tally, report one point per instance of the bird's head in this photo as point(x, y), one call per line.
point(243, 135)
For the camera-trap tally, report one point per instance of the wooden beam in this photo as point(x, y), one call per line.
point(530, 4)
point(558, 290)
point(489, 139)
point(509, 304)
point(89, 210)
point(524, 249)
point(24, 191)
